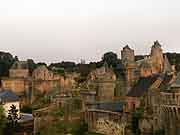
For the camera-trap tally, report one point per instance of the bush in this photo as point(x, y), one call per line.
point(27, 109)
point(58, 112)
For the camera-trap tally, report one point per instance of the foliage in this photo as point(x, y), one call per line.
point(139, 57)
point(27, 109)
point(81, 128)
point(110, 58)
point(6, 61)
point(174, 58)
point(58, 112)
point(137, 114)
point(12, 123)
point(40, 133)
point(41, 64)
point(159, 132)
point(67, 65)
point(3, 120)
point(31, 65)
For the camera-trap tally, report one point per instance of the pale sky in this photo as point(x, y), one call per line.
point(56, 30)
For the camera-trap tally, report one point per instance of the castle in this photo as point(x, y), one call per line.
point(151, 84)
point(109, 102)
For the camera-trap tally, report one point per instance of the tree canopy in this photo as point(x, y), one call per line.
point(6, 61)
point(110, 58)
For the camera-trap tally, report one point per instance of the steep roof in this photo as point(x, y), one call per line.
point(156, 44)
point(8, 96)
point(177, 82)
point(142, 86)
point(110, 106)
point(127, 47)
point(167, 65)
point(166, 80)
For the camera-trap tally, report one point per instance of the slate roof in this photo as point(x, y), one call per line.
point(166, 80)
point(177, 82)
point(142, 86)
point(126, 47)
point(110, 106)
point(156, 44)
point(8, 96)
point(167, 65)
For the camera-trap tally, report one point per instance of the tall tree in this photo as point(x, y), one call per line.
point(3, 120)
point(13, 118)
point(110, 58)
point(6, 61)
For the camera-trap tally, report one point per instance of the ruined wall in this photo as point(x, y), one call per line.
point(18, 73)
point(16, 85)
point(45, 86)
point(42, 73)
point(106, 90)
point(106, 122)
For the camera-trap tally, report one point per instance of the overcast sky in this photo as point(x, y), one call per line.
point(56, 30)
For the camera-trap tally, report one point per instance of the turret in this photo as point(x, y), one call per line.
point(128, 60)
point(157, 57)
point(127, 54)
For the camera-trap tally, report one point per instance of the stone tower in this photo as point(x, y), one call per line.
point(128, 61)
point(157, 58)
point(127, 54)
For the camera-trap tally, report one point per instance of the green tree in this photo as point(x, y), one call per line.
point(137, 114)
point(81, 128)
point(3, 120)
point(27, 109)
point(31, 65)
point(13, 118)
point(110, 58)
point(6, 61)
point(112, 61)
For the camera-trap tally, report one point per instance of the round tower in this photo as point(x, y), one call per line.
point(157, 57)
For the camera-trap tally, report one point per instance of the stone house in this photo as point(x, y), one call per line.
point(102, 80)
point(135, 95)
point(19, 77)
point(19, 70)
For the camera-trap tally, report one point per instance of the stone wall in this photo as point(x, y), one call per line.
point(170, 112)
point(42, 73)
point(44, 86)
point(19, 73)
point(106, 90)
point(16, 85)
point(106, 122)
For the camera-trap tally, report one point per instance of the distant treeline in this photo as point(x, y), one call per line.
point(7, 59)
